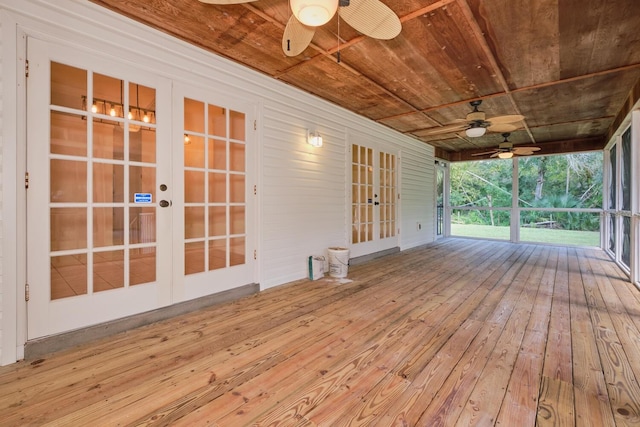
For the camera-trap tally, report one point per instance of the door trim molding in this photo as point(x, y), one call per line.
point(13, 146)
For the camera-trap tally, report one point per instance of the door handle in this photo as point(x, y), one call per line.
point(164, 203)
point(376, 203)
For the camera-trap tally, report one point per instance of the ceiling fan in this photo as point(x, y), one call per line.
point(506, 150)
point(369, 17)
point(476, 123)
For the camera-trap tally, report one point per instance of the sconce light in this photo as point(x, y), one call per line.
point(314, 138)
point(187, 140)
point(314, 12)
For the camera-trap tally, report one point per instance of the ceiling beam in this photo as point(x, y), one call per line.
point(547, 148)
point(522, 89)
point(479, 35)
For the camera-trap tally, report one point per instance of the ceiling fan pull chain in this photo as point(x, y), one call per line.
point(290, 13)
point(338, 37)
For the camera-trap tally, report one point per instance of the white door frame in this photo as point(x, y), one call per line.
point(46, 317)
point(375, 245)
point(184, 287)
point(13, 324)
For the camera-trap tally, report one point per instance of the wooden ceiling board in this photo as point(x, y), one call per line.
point(566, 65)
point(597, 35)
point(573, 130)
point(408, 122)
point(404, 8)
point(395, 66)
point(587, 99)
point(445, 39)
point(523, 35)
point(449, 144)
point(232, 31)
point(327, 79)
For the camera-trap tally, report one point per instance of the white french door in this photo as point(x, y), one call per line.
point(374, 200)
point(214, 218)
point(140, 194)
point(97, 164)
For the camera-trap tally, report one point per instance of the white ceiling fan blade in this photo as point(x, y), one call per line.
point(296, 37)
point(223, 2)
point(502, 127)
point(512, 118)
point(371, 18)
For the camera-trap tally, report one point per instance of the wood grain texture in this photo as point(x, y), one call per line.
point(456, 333)
point(566, 65)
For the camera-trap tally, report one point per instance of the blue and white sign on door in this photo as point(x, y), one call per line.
point(142, 198)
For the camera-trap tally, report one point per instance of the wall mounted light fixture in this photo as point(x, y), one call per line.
point(314, 138)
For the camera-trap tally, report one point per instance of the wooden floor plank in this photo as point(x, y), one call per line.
point(525, 289)
point(622, 383)
point(460, 332)
point(486, 397)
point(429, 376)
point(556, 405)
point(592, 400)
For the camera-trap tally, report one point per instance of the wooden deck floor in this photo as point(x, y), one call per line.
point(460, 332)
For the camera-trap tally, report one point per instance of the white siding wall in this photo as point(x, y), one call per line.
point(303, 195)
point(2, 301)
point(302, 190)
point(418, 197)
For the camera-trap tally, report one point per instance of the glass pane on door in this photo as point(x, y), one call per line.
point(612, 178)
point(611, 229)
point(387, 189)
point(362, 194)
point(101, 148)
point(214, 187)
point(625, 256)
point(440, 177)
point(625, 170)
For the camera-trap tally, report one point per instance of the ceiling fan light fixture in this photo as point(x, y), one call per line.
point(314, 12)
point(475, 131)
point(505, 155)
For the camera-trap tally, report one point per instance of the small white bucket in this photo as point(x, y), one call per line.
point(338, 262)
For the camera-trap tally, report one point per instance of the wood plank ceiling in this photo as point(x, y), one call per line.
point(568, 66)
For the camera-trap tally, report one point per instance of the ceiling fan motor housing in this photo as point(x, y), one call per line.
point(476, 116)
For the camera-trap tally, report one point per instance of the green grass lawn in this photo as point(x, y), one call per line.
point(538, 235)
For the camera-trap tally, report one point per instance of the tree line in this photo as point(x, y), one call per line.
point(569, 181)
